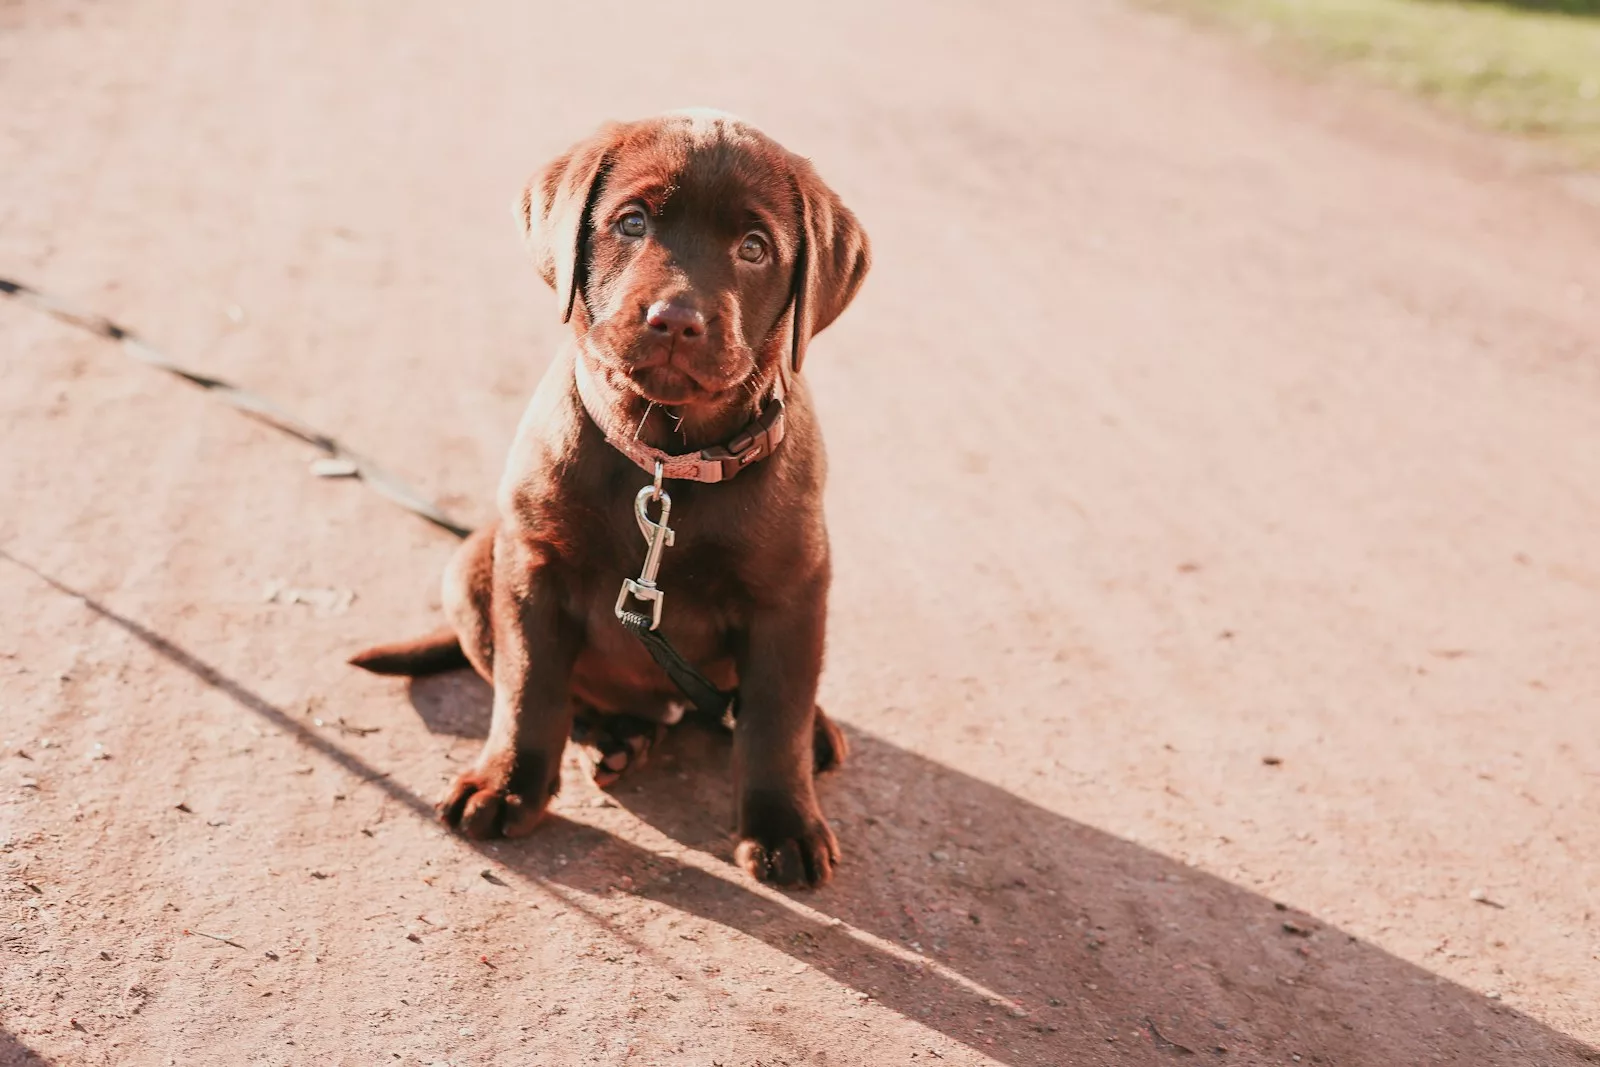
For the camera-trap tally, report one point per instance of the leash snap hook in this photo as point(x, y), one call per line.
point(657, 536)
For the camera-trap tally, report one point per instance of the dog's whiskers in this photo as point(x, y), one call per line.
point(649, 404)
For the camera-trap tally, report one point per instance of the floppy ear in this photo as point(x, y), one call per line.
point(555, 214)
point(831, 262)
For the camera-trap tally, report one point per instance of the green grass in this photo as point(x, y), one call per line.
point(1530, 67)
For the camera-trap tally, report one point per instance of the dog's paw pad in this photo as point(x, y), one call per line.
point(616, 744)
point(786, 843)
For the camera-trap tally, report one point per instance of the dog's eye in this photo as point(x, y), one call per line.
point(632, 224)
point(753, 249)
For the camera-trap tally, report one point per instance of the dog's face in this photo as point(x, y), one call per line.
point(692, 254)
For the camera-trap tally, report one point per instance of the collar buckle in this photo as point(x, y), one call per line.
point(755, 442)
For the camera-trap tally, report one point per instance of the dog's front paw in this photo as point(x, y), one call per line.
point(502, 796)
point(786, 840)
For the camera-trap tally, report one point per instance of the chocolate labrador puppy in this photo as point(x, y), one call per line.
point(695, 259)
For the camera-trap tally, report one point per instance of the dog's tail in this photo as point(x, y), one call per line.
point(436, 653)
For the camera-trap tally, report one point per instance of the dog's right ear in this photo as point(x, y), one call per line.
point(833, 260)
point(555, 214)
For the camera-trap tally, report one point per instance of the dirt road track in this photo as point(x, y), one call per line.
point(1190, 417)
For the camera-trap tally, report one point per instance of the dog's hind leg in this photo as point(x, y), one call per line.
point(468, 584)
point(468, 640)
point(615, 744)
point(828, 746)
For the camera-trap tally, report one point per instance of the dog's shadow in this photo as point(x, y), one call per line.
point(456, 704)
point(1026, 936)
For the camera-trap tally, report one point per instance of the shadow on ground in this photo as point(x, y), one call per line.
point(1020, 933)
point(13, 1053)
point(1046, 941)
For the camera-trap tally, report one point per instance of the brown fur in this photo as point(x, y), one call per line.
point(530, 598)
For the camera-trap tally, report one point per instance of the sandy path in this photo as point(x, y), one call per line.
point(1190, 417)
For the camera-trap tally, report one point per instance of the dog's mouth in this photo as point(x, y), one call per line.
point(667, 385)
point(671, 378)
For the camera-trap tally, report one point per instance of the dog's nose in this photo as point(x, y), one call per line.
point(675, 320)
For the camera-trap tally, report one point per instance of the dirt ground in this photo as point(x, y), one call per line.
point(1216, 512)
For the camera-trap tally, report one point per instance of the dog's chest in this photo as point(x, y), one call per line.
point(704, 608)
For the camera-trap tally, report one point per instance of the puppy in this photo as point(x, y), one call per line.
point(694, 259)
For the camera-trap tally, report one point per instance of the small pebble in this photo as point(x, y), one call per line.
point(334, 468)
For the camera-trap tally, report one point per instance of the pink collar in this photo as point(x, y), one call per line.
point(720, 463)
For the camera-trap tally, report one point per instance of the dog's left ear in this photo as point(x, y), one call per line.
point(832, 260)
point(555, 214)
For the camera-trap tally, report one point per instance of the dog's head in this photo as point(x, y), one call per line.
point(692, 253)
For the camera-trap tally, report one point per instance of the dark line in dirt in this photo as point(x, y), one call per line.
point(252, 404)
point(217, 937)
point(1166, 1043)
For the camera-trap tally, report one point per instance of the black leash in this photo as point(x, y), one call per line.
point(708, 700)
point(342, 461)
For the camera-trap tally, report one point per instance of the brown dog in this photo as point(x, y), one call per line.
point(695, 259)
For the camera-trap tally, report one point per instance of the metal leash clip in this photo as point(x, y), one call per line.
point(657, 535)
